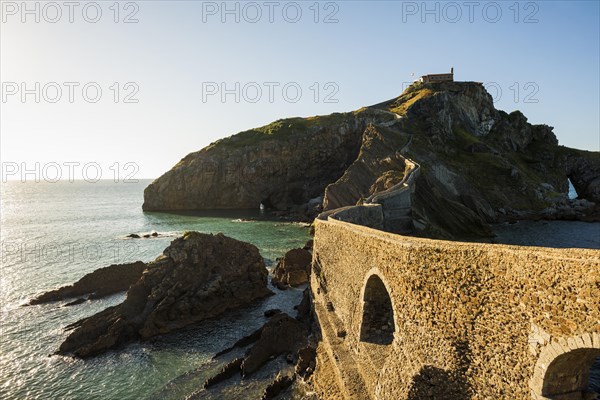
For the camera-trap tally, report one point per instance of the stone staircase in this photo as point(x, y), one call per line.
point(349, 376)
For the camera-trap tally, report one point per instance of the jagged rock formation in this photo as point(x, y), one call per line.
point(478, 164)
point(282, 334)
point(100, 283)
point(369, 173)
point(282, 381)
point(293, 269)
point(197, 277)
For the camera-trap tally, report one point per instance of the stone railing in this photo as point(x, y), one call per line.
point(370, 215)
point(389, 210)
point(396, 202)
point(406, 184)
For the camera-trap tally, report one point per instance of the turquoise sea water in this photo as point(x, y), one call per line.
point(54, 233)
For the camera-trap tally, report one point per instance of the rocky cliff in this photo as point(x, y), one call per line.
point(478, 164)
point(280, 165)
point(198, 276)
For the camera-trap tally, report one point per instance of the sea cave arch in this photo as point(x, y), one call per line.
point(377, 325)
point(571, 190)
point(573, 374)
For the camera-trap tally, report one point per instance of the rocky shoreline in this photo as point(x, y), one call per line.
point(293, 269)
point(566, 210)
point(198, 276)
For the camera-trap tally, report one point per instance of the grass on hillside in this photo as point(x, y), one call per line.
point(408, 99)
point(283, 128)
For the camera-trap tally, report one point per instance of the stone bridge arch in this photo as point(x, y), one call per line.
point(563, 368)
point(377, 323)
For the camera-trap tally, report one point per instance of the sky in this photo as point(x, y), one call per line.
point(124, 90)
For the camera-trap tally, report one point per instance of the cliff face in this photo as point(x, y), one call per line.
point(477, 163)
point(280, 165)
point(378, 166)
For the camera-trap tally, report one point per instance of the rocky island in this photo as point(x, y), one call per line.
point(198, 276)
point(479, 165)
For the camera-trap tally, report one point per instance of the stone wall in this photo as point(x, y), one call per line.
point(396, 202)
point(370, 215)
point(471, 321)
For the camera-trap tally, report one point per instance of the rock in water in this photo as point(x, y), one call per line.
point(229, 370)
point(282, 382)
point(272, 311)
point(102, 282)
point(293, 269)
point(198, 276)
point(281, 334)
point(75, 302)
point(306, 360)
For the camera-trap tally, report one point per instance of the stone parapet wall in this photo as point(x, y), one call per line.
point(396, 202)
point(370, 215)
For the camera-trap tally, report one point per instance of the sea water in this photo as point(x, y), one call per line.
point(54, 233)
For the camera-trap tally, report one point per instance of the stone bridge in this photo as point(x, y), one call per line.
point(411, 318)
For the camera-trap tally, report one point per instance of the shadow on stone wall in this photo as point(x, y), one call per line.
point(432, 382)
point(594, 379)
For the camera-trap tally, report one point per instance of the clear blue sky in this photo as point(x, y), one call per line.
point(547, 50)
